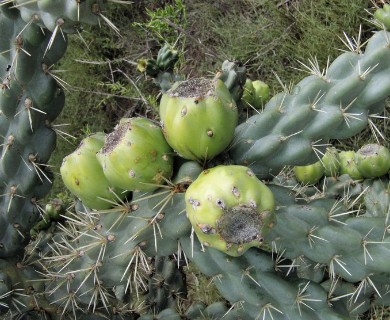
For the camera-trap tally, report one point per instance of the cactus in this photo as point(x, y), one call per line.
point(161, 68)
point(18, 291)
point(33, 38)
point(30, 99)
point(335, 103)
point(255, 290)
point(104, 259)
point(53, 212)
point(63, 16)
point(318, 240)
point(273, 248)
point(233, 75)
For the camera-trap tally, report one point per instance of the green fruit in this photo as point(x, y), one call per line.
point(261, 93)
point(373, 160)
point(230, 209)
point(255, 93)
point(383, 15)
point(331, 162)
point(348, 165)
point(309, 174)
point(248, 94)
point(83, 175)
point(135, 156)
point(198, 118)
point(55, 208)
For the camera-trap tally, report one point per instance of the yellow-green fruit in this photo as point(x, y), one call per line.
point(309, 174)
point(230, 209)
point(255, 94)
point(198, 117)
point(383, 15)
point(83, 175)
point(373, 160)
point(331, 162)
point(261, 93)
point(348, 165)
point(248, 94)
point(135, 156)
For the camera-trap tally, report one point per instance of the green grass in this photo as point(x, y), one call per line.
point(268, 38)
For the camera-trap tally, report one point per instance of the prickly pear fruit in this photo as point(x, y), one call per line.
point(83, 175)
point(373, 160)
point(348, 165)
point(383, 15)
point(198, 118)
point(230, 209)
point(248, 94)
point(331, 162)
point(261, 94)
point(309, 174)
point(135, 156)
point(255, 93)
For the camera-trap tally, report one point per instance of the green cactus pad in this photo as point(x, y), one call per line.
point(83, 175)
point(233, 75)
point(66, 15)
point(167, 58)
point(230, 209)
point(334, 104)
point(198, 118)
point(136, 156)
point(30, 99)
